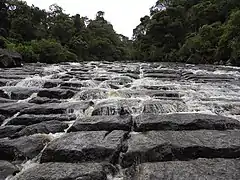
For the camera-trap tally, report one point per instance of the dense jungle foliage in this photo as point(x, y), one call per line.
point(189, 31)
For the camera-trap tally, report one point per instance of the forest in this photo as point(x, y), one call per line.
point(188, 31)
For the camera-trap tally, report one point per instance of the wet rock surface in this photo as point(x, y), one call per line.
point(59, 171)
point(84, 147)
point(101, 120)
point(22, 148)
point(195, 169)
point(154, 146)
point(7, 169)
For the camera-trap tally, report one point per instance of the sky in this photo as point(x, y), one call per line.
point(123, 14)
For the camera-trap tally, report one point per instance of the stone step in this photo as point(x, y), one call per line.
point(155, 146)
point(90, 146)
point(22, 148)
point(207, 169)
point(183, 121)
point(29, 119)
point(41, 128)
point(102, 123)
point(7, 169)
point(66, 171)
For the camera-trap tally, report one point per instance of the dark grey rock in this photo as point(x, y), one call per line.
point(50, 84)
point(207, 169)
point(9, 109)
point(183, 121)
point(9, 59)
point(3, 94)
point(66, 171)
point(53, 108)
point(2, 118)
point(102, 123)
point(7, 169)
point(7, 131)
point(41, 128)
point(4, 100)
point(43, 100)
point(3, 82)
point(22, 148)
point(21, 93)
point(56, 94)
point(29, 119)
point(84, 146)
point(154, 146)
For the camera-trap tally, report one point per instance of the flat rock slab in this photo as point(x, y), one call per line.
point(183, 121)
point(7, 169)
point(207, 169)
point(9, 109)
point(65, 171)
point(102, 123)
point(56, 94)
point(30, 119)
point(22, 148)
point(41, 128)
point(43, 100)
point(7, 131)
point(2, 118)
point(85, 146)
point(155, 146)
point(46, 109)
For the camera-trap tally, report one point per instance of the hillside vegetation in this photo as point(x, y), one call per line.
point(192, 31)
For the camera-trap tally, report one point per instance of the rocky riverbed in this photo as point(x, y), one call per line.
point(119, 121)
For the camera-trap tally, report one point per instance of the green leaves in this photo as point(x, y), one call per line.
point(193, 31)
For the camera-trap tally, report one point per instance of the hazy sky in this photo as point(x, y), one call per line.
point(123, 14)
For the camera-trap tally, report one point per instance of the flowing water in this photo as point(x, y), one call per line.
point(136, 88)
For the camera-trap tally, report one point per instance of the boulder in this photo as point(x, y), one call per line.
point(43, 100)
point(66, 171)
point(155, 146)
point(9, 109)
point(3, 94)
point(30, 119)
point(2, 118)
point(102, 123)
point(9, 59)
point(7, 131)
point(7, 169)
point(85, 146)
point(53, 108)
point(22, 148)
point(207, 169)
point(41, 128)
point(4, 100)
point(56, 93)
point(183, 121)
